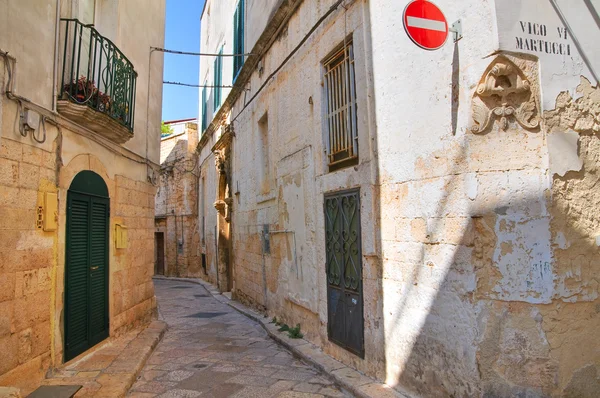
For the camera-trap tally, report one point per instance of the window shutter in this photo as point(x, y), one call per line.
point(77, 274)
point(204, 106)
point(216, 84)
point(98, 269)
point(238, 38)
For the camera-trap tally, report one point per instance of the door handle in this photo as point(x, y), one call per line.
point(94, 268)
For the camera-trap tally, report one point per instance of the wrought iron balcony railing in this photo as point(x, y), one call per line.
point(96, 74)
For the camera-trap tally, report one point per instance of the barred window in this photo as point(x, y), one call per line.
point(340, 95)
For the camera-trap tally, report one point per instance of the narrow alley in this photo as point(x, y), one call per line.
point(211, 350)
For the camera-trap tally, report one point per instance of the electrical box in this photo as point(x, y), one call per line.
point(50, 213)
point(121, 240)
point(31, 119)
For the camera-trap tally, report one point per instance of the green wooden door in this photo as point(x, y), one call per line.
point(86, 279)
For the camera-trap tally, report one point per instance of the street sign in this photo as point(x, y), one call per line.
point(425, 24)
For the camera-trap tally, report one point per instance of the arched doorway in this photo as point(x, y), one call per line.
point(86, 267)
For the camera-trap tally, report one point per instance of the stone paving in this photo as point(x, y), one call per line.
point(212, 351)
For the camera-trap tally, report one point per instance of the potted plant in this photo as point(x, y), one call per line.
point(85, 91)
point(81, 90)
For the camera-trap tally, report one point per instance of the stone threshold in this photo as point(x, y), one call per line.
point(348, 378)
point(110, 370)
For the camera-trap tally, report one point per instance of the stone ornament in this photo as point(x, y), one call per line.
point(503, 93)
point(222, 152)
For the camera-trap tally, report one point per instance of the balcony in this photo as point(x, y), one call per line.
point(98, 82)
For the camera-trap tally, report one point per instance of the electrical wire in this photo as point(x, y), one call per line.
point(43, 122)
point(164, 50)
point(194, 85)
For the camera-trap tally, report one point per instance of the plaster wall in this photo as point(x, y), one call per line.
point(31, 25)
point(32, 261)
point(473, 284)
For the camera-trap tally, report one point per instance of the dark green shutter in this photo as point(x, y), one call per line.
point(218, 78)
point(86, 277)
point(76, 327)
point(238, 38)
point(204, 110)
point(98, 278)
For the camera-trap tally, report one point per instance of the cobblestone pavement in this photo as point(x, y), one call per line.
point(211, 350)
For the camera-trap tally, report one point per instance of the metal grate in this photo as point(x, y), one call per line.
point(342, 137)
point(345, 324)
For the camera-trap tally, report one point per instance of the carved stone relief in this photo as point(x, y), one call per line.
point(502, 94)
point(224, 203)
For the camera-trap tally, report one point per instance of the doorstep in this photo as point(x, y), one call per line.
point(348, 378)
point(112, 369)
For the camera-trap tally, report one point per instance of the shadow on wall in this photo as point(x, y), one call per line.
point(457, 331)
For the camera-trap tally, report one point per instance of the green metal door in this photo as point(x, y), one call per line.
point(345, 324)
point(86, 278)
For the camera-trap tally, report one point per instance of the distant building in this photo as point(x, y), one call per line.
point(428, 217)
point(176, 206)
point(79, 159)
point(178, 126)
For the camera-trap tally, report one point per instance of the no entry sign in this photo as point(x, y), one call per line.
point(425, 24)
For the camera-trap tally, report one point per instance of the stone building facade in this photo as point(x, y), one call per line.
point(176, 209)
point(440, 235)
point(79, 153)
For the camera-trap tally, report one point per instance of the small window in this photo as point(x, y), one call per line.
point(340, 108)
point(204, 109)
point(218, 80)
point(238, 38)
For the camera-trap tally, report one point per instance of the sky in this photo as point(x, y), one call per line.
point(182, 34)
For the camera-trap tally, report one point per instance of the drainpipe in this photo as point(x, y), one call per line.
point(55, 65)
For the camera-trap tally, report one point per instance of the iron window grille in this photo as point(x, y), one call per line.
point(340, 96)
point(238, 38)
point(96, 73)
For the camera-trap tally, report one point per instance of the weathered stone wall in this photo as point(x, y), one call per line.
point(574, 228)
point(32, 262)
point(176, 206)
point(27, 263)
point(480, 285)
point(479, 236)
point(289, 281)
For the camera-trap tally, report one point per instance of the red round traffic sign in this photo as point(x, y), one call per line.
point(425, 24)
